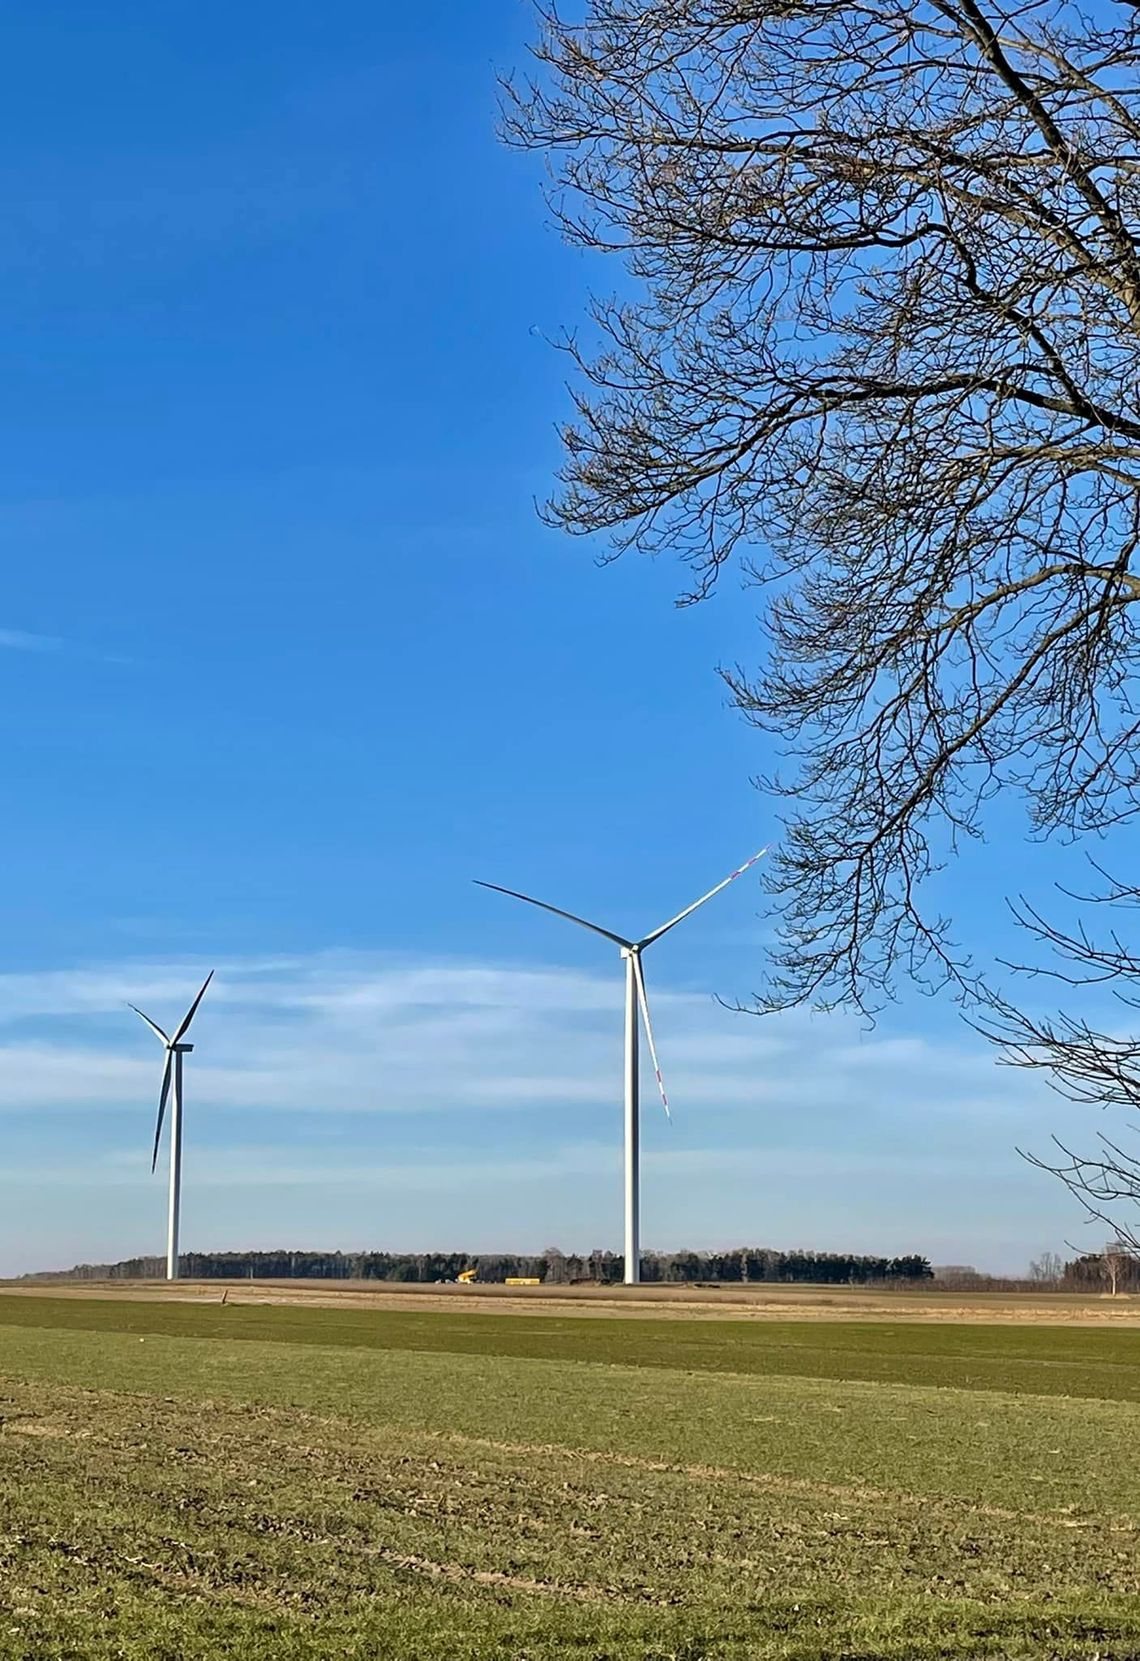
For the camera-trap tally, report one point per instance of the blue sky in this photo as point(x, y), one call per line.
point(286, 659)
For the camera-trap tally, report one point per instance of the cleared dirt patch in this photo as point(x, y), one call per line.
point(734, 1302)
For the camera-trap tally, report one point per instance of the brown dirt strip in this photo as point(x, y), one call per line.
point(21, 1424)
point(202, 1584)
point(435, 1569)
point(172, 1579)
point(773, 1483)
point(656, 1302)
point(580, 1592)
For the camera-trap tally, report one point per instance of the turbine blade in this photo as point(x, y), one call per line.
point(643, 1000)
point(595, 928)
point(689, 909)
point(157, 1030)
point(166, 1073)
point(193, 1010)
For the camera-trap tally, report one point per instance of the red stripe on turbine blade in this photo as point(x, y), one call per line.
point(748, 864)
point(704, 899)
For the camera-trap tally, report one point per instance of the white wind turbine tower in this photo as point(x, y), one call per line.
point(635, 997)
point(172, 1075)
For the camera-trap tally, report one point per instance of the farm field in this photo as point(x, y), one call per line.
point(754, 1301)
point(182, 1479)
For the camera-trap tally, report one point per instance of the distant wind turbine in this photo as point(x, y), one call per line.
point(635, 998)
point(172, 1076)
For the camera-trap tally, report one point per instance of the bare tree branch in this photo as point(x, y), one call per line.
point(1087, 1064)
point(881, 348)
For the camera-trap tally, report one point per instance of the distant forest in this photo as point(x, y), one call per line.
point(746, 1263)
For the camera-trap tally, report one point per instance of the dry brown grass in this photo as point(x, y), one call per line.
point(756, 1302)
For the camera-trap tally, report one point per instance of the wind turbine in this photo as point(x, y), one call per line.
point(635, 998)
point(172, 1075)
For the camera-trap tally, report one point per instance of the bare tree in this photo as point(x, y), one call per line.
point(1084, 1063)
point(1114, 1259)
point(881, 344)
point(1048, 1268)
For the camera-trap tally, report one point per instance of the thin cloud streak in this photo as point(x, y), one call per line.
point(252, 1168)
point(383, 1101)
point(19, 640)
point(336, 1034)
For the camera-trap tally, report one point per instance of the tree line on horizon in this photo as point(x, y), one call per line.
point(552, 1266)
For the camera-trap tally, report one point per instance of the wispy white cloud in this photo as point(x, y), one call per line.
point(350, 1034)
point(18, 640)
point(410, 1102)
point(420, 1170)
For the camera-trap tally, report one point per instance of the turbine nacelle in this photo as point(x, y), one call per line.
point(637, 1001)
point(631, 950)
point(174, 1046)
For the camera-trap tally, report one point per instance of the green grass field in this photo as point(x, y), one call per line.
point(183, 1481)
